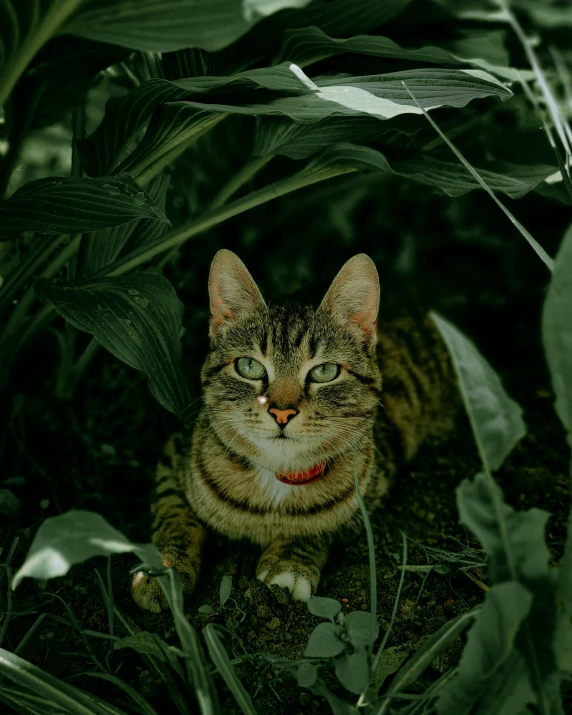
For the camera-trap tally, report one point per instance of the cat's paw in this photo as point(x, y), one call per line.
point(149, 595)
point(300, 580)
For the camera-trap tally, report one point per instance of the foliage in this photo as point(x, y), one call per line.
point(164, 100)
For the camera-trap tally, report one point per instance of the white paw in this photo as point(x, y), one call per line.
point(299, 586)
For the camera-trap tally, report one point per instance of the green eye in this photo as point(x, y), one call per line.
point(249, 368)
point(324, 373)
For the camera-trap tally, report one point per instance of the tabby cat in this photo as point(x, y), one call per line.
point(292, 396)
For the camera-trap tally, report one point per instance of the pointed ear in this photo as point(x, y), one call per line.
point(353, 297)
point(232, 289)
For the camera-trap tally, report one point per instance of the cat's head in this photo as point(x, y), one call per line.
point(287, 386)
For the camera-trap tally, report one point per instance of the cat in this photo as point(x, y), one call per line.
point(291, 397)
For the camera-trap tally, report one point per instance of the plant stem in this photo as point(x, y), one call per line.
point(211, 218)
point(248, 170)
point(536, 247)
point(35, 38)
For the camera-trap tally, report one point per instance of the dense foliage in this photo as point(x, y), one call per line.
point(297, 133)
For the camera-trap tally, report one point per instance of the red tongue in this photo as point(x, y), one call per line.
point(297, 478)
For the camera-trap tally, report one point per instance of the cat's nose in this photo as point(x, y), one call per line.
point(282, 416)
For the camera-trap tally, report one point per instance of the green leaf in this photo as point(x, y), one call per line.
point(25, 25)
point(324, 641)
point(382, 96)
point(67, 698)
point(557, 332)
point(206, 609)
point(306, 675)
point(309, 44)
point(138, 319)
point(362, 628)
point(69, 539)
point(100, 248)
point(353, 671)
point(171, 24)
point(225, 590)
point(389, 663)
point(496, 420)
point(490, 657)
point(149, 644)
point(324, 607)
point(69, 205)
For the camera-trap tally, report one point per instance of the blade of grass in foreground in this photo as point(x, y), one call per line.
point(537, 248)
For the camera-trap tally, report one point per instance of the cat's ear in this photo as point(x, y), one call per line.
point(354, 294)
point(232, 289)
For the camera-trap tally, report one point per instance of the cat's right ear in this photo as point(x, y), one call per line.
point(232, 290)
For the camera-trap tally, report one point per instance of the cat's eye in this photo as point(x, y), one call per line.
point(249, 368)
point(326, 372)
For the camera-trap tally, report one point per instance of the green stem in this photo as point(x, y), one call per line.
point(536, 247)
point(248, 170)
point(178, 236)
point(37, 36)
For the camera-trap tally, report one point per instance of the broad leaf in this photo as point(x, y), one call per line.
point(324, 641)
point(138, 319)
point(382, 96)
point(491, 659)
point(225, 590)
point(71, 205)
point(307, 674)
point(362, 628)
point(168, 25)
point(557, 332)
point(307, 45)
point(496, 420)
point(557, 339)
point(353, 671)
point(24, 27)
point(324, 607)
point(100, 248)
point(69, 539)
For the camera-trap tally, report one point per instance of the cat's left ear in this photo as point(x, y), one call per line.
point(353, 297)
point(232, 289)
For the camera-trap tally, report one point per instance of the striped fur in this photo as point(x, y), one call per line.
point(222, 477)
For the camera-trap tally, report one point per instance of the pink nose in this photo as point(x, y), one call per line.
point(282, 416)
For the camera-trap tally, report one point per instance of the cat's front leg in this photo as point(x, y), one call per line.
point(295, 564)
point(177, 532)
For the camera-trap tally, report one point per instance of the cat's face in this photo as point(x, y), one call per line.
point(287, 387)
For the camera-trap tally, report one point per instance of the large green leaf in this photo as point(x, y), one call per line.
point(306, 45)
point(138, 319)
point(557, 339)
point(100, 248)
point(25, 25)
point(70, 205)
point(557, 332)
point(382, 96)
point(169, 25)
point(490, 659)
point(496, 420)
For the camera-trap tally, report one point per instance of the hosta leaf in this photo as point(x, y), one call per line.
point(72, 205)
point(490, 659)
point(69, 539)
point(496, 420)
point(382, 96)
point(171, 24)
point(124, 117)
point(309, 44)
point(172, 128)
point(24, 27)
point(138, 319)
point(514, 180)
point(100, 248)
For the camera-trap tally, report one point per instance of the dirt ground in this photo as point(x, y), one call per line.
point(97, 460)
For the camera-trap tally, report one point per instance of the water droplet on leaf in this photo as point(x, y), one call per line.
point(132, 291)
point(139, 198)
point(112, 190)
